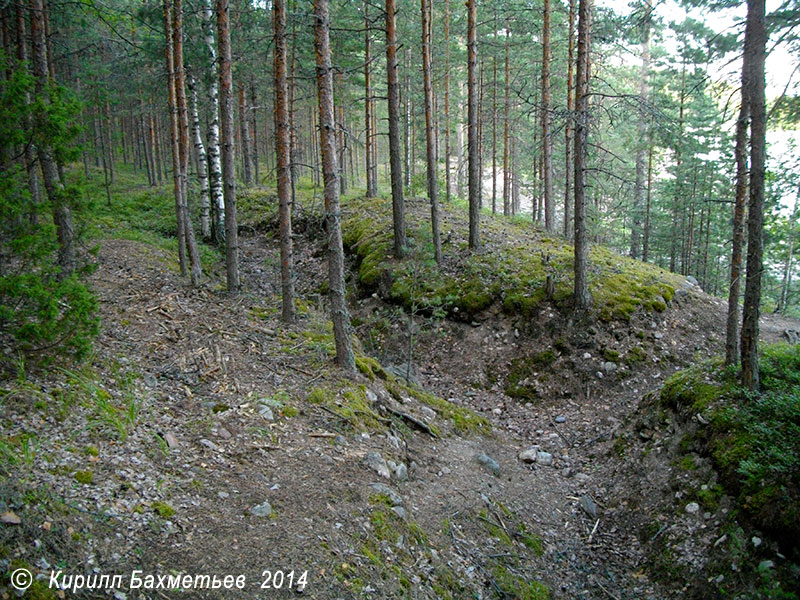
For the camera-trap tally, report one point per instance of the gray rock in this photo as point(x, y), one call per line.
point(544, 458)
point(427, 413)
point(172, 441)
point(692, 508)
point(375, 462)
point(150, 380)
point(529, 454)
point(208, 444)
point(262, 510)
point(371, 396)
point(560, 419)
point(488, 463)
point(765, 565)
point(588, 506)
point(384, 489)
point(691, 279)
point(401, 472)
point(609, 367)
point(224, 433)
point(582, 477)
point(266, 412)
point(399, 511)
point(756, 541)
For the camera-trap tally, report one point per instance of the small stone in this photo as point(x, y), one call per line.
point(222, 495)
point(428, 413)
point(599, 375)
point(609, 367)
point(497, 411)
point(765, 565)
point(560, 419)
point(172, 441)
point(266, 412)
point(658, 335)
point(262, 510)
point(371, 396)
point(588, 506)
point(340, 440)
point(544, 458)
point(586, 356)
point(375, 462)
point(529, 455)
point(692, 508)
point(581, 477)
point(224, 433)
point(756, 541)
point(691, 279)
point(399, 511)
point(208, 444)
point(384, 489)
point(721, 540)
point(488, 463)
point(10, 518)
point(150, 380)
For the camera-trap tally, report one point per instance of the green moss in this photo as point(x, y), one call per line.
point(162, 509)
point(753, 439)
point(84, 477)
point(508, 275)
point(385, 525)
point(349, 402)
point(290, 411)
point(91, 450)
point(518, 588)
point(636, 355)
point(520, 381)
point(611, 355)
point(465, 422)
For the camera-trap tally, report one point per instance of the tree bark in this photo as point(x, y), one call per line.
point(183, 140)
point(569, 127)
point(447, 149)
point(581, 291)
point(398, 203)
point(547, 140)
point(642, 137)
point(244, 124)
point(29, 157)
point(202, 170)
point(53, 185)
point(473, 143)
point(369, 134)
point(755, 51)
point(506, 124)
point(254, 131)
point(174, 137)
point(339, 313)
point(283, 161)
point(429, 134)
point(212, 134)
point(227, 147)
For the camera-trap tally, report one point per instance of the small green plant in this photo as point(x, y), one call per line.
point(84, 477)
point(162, 509)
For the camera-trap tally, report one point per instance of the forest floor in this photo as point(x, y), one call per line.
point(206, 438)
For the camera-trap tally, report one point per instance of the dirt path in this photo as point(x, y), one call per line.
point(203, 482)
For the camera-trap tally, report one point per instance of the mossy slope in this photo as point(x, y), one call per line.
point(513, 269)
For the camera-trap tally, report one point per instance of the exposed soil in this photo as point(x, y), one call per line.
point(177, 494)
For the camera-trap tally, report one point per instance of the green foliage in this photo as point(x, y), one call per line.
point(41, 311)
point(512, 275)
point(521, 378)
point(753, 439)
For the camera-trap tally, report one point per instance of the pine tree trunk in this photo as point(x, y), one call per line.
point(429, 135)
point(642, 137)
point(494, 132)
point(339, 313)
point(53, 185)
point(369, 134)
point(244, 125)
point(755, 51)
point(737, 250)
point(581, 290)
point(398, 204)
point(447, 149)
point(786, 280)
point(174, 137)
point(646, 232)
point(547, 140)
point(29, 156)
point(227, 146)
point(254, 131)
point(506, 124)
point(183, 141)
point(473, 144)
point(283, 161)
